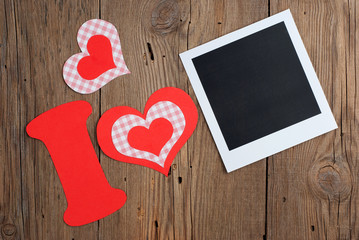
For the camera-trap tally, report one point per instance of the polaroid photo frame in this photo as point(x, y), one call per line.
point(258, 91)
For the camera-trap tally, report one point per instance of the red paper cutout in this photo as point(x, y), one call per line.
point(152, 139)
point(100, 59)
point(63, 131)
point(172, 99)
point(96, 39)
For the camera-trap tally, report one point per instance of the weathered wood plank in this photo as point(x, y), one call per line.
point(46, 36)
point(350, 128)
point(11, 225)
point(182, 169)
point(223, 206)
point(312, 188)
point(151, 33)
point(310, 185)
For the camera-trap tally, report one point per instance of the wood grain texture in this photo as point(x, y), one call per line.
point(307, 192)
point(224, 206)
point(10, 168)
point(312, 187)
point(40, 37)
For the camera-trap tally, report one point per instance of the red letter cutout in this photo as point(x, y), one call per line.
point(89, 195)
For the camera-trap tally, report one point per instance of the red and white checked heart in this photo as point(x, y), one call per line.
point(87, 30)
point(124, 124)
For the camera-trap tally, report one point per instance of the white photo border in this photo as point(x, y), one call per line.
point(277, 141)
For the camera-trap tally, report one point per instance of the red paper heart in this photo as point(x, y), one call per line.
point(153, 139)
point(100, 59)
point(182, 105)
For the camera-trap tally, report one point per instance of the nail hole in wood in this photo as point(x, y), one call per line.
point(312, 227)
point(156, 223)
point(125, 179)
point(284, 199)
point(179, 180)
point(190, 166)
point(219, 23)
point(305, 13)
point(150, 51)
point(145, 58)
point(25, 80)
point(5, 66)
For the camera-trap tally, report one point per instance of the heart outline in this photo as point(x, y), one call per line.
point(160, 110)
point(89, 29)
point(171, 94)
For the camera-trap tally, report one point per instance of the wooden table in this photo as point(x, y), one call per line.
point(307, 192)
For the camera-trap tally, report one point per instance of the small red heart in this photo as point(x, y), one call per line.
point(153, 139)
point(100, 59)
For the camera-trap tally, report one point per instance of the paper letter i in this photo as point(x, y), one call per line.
point(63, 131)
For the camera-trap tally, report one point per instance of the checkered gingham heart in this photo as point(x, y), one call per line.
point(87, 30)
point(124, 124)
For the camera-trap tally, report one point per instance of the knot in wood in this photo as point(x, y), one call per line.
point(8, 230)
point(330, 180)
point(165, 17)
point(140, 213)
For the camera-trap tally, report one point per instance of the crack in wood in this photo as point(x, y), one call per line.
point(152, 57)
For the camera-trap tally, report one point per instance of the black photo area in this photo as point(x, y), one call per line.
point(256, 86)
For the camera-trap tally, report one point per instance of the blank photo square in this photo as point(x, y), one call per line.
point(258, 91)
point(256, 86)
